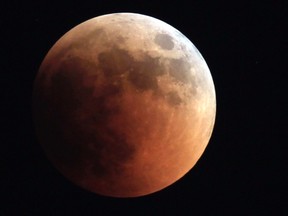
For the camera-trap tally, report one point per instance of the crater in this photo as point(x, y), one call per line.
point(114, 62)
point(165, 41)
point(143, 74)
point(173, 98)
point(120, 39)
point(180, 70)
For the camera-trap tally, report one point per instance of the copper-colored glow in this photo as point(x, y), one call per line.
point(124, 105)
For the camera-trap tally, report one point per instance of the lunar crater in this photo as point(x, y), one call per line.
point(179, 69)
point(174, 99)
point(165, 41)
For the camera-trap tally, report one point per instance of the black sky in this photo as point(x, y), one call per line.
point(243, 170)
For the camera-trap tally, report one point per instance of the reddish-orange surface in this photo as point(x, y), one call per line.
point(118, 124)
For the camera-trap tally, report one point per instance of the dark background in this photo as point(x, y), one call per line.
point(243, 170)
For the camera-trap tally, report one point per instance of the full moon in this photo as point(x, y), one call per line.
point(124, 105)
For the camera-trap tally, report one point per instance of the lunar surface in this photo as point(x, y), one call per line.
point(124, 105)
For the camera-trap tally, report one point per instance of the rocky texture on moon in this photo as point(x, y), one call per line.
point(165, 41)
point(124, 105)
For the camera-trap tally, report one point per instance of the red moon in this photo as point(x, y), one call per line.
point(124, 105)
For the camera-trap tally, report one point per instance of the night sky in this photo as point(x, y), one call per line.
point(243, 171)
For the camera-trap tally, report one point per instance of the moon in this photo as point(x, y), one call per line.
point(124, 105)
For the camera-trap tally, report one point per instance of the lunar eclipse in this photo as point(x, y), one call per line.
point(124, 105)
